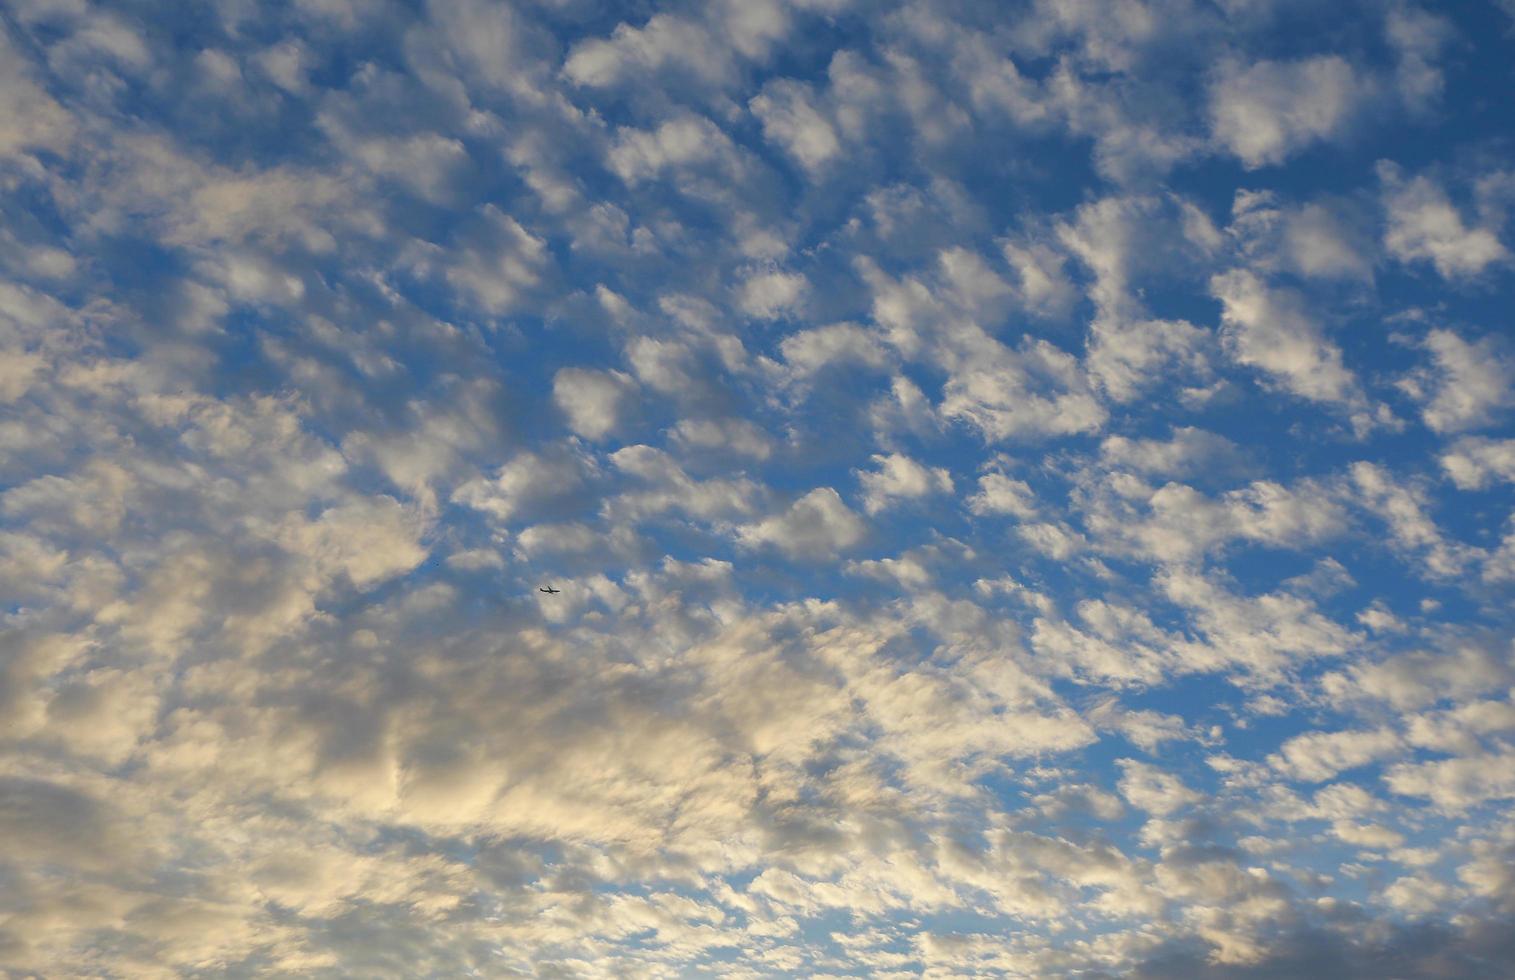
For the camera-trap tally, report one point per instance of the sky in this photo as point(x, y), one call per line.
point(1029, 485)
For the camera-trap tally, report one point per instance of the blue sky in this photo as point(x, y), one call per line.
point(1029, 484)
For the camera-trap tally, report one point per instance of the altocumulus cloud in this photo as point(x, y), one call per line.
point(1030, 485)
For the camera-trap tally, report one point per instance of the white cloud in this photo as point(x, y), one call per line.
point(667, 366)
point(1499, 564)
point(1000, 494)
point(710, 52)
point(1041, 280)
point(791, 119)
point(684, 141)
point(1456, 784)
point(1404, 509)
point(817, 525)
point(1154, 790)
point(907, 571)
point(527, 479)
point(1467, 385)
point(1268, 328)
point(1423, 225)
point(595, 402)
point(672, 488)
point(808, 351)
point(369, 541)
point(1127, 357)
point(1189, 450)
point(1264, 112)
point(33, 120)
point(665, 40)
point(1123, 240)
point(1260, 634)
point(1318, 756)
point(1033, 392)
point(1473, 462)
point(733, 435)
point(769, 295)
point(1416, 679)
point(899, 477)
point(500, 264)
point(1319, 240)
point(1418, 37)
point(1175, 522)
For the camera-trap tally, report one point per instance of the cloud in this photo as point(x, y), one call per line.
point(1466, 386)
point(770, 295)
point(1423, 225)
point(900, 478)
point(34, 120)
point(1418, 37)
point(1175, 522)
point(1473, 463)
point(1455, 784)
point(1319, 756)
point(528, 479)
point(1464, 668)
point(1029, 393)
point(595, 402)
point(1268, 329)
point(499, 263)
point(808, 351)
point(687, 141)
point(1328, 239)
point(1188, 451)
point(791, 120)
point(1153, 790)
point(710, 51)
point(1264, 112)
point(663, 40)
point(1403, 508)
point(733, 435)
point(816, 526)
point(1000, 494)
point(853, 376)
point(673, 488)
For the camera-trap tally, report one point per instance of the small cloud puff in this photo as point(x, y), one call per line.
point(594, 402)
point(899, 477)
point(1264, 112)
point(816, 526)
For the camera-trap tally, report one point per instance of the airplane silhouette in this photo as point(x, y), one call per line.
point(550, 590)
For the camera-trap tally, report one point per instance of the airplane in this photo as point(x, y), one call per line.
point(550, 590)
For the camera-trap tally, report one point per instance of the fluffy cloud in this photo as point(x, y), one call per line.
point(1456, 784)
point(999, 494)
point(1423, 225)
point(1319, 756)
point(1264, 112)
point(593, 401)
point(1473, 463)
point(900, 478)
point(526, 480)
point(769, 295)
point(499, 262)
point(1033, 392)
point(1466, 385)
point(1267, 328)
point(1187, 452)
point(790, 119)
point(817, 525)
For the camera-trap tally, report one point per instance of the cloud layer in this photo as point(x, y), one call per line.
point(1030, 489)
